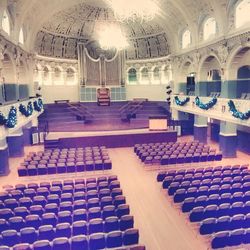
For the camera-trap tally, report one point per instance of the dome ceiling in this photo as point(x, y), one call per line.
point(54, 27)
point(61, 33)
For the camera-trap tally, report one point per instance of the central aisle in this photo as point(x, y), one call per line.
point(161, 226)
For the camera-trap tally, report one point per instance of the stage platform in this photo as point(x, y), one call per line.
point(111, 139)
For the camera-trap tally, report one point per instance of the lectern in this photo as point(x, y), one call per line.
point(158, 123)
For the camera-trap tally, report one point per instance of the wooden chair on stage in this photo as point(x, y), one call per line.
point(103, 97)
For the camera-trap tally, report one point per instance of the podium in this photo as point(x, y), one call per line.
point(158, 123)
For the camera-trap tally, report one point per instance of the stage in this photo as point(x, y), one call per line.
point(111, 139)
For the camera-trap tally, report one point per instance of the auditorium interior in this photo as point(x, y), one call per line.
point(138, 112)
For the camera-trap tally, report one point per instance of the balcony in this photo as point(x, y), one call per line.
point(219, 111)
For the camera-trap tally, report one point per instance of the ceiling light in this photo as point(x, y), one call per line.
point(110, 36)
point(134, 10)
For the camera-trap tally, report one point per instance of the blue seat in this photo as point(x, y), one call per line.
point(126, 222)
point(79, 242)
point(79, 227)
point(79, 204)
point(224, 209)
point(25, 202)
point(106, 201)
point(51, 208)
point(223, 223)
point(28, 235)
point(167, 181)
point(94, 212)
point(11, 203)
point(42, 245)
point(188, 204)
point(108, 211)
point(46, 232)
point(114, 239)
point(33, 220)
point(3, 225)
point(80, 195)
point(196, 214)
point(10, 238)
point(49, 219)
point(236, 237)
point(122, 209)
point(180, 195)
point(16, 223)
point(61, 243)
point(131, 237)
point(95, 226)
point(220, 239)
point(6, 213)
point(64, 216)
point(39, 200)
point(119, 200)
point(21, 246)
point(111, 224)
point(55, 197)
point(20, 211)
point(97, 241)
point(237, 221)
point(237, 208)
point(210, 211)
point(79, 215)
point(63, 230)
point(36, 209)
point(207, 226)
point(116, 192)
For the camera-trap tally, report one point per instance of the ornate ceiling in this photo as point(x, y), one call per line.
point(54, 27)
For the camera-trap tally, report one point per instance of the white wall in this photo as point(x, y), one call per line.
point(52, 93)
point(151, 92)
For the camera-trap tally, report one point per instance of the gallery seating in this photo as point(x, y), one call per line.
point(173, 153)
point(92, 211)
point(59, 161)
point(218, 198)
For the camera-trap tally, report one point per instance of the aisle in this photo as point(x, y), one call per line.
point(161, 226)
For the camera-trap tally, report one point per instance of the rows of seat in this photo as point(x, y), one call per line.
point(218, 198)
point(65, 161)
point(176, 153)
point(64, 209)
point(80, 242)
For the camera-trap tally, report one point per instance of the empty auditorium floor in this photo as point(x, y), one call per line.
point(160, 223)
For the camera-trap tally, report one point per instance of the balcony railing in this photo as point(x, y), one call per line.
point(219, 111)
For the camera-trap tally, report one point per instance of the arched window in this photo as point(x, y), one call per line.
point(242, 13)
point(58, 76)
point(70, 76)
point(156, 76)
point(209, 28)
point(144, 75)
point(46, 76)
point(6, 22)
point(186, 39)
point(21, 38)
point(132, 75)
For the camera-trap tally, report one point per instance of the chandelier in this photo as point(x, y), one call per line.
point(110, 36)
point(134, 10)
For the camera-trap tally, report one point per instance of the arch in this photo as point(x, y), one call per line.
point(242, 11)
point(70, 76)
point(58, 76)
point(166, 74)
point(21, 36)
point(209, 28)
point(186, 39)
point(8, 69)
point(22, 74)
point(208, 64)
point(144, 75)
point(132, 75)
point(6, 22)
point(46, 75)
point(238, 57)
point(156, 75)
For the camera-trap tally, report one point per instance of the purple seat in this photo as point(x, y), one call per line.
point(22, 171)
